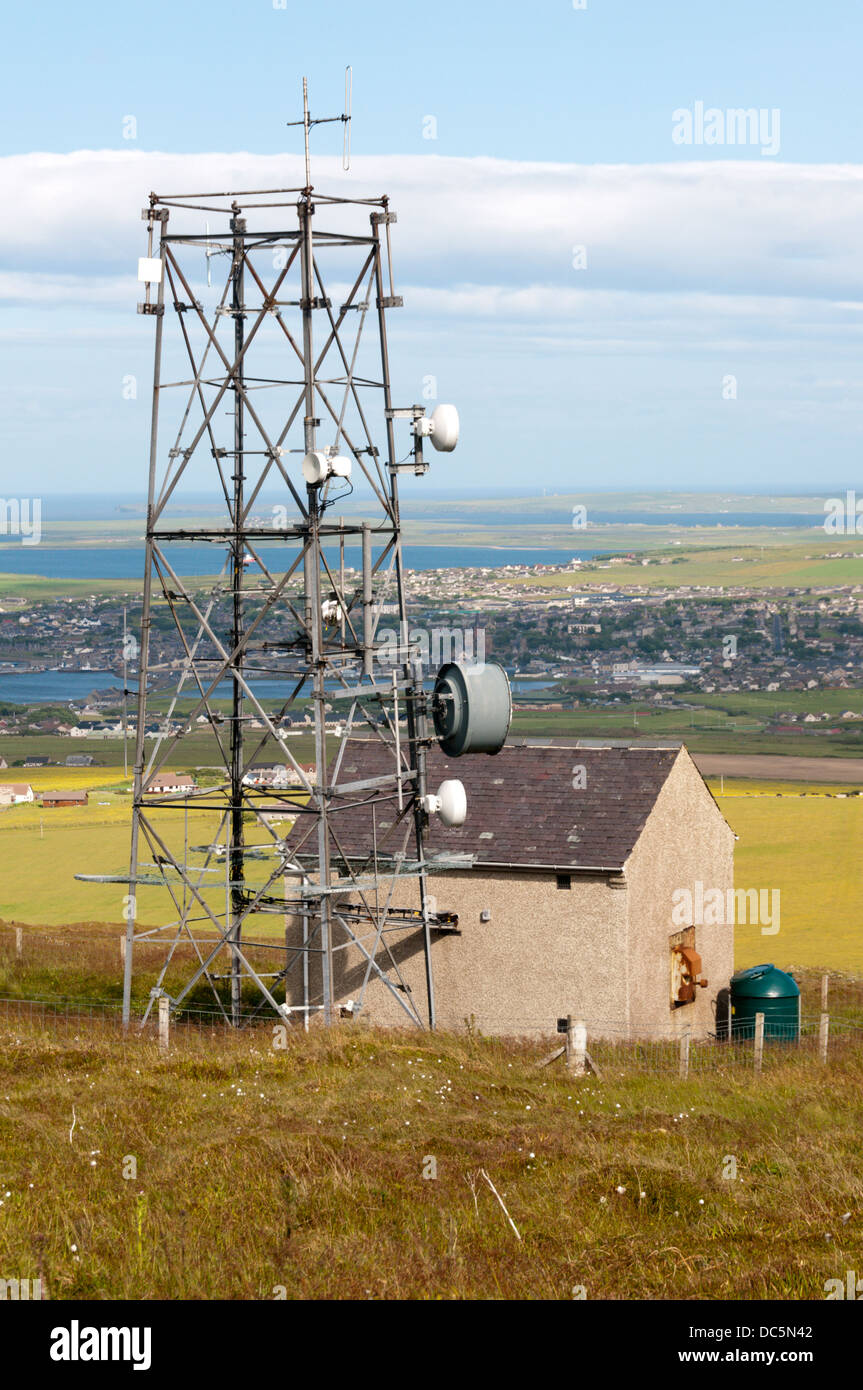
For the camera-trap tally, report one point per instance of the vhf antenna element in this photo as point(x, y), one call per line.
point(308, 121)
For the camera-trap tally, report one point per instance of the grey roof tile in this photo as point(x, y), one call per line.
point(522, 806)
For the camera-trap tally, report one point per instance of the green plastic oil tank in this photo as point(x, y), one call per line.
point(762, 989)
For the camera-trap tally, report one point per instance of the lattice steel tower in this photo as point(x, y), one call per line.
point(269, 379)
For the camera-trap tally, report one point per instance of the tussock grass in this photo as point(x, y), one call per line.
point(303, 1168)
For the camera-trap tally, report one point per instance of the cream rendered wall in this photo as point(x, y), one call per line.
point(597, 950)
point(543, 954)
point(685, 839)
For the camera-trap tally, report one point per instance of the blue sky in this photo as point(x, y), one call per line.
point(554, 129)
point(515, 81)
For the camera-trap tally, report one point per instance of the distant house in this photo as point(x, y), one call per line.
point(167, 782)
point(580, 895)
point(37, 760)
point(293, 778)
point(266, 775)
point(3, 762)
point(50, 799)
point(15, 793)
point(80, 760)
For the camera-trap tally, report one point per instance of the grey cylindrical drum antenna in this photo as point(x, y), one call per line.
point(472, 708)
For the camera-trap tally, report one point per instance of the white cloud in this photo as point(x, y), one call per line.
point(727, 227)
point(693, 271)
point(556, 318)
point(38, 288)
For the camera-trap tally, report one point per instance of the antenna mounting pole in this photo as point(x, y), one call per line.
point(306, 129)
point(308, 121)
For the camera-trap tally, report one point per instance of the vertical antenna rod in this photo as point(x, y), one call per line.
point(308, 121)
point(306, 129)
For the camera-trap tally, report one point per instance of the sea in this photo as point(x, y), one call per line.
point(60, 687)
point(127, 561)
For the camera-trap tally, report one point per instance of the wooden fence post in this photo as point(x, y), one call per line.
point(164, 1021)
point(684, 1055)
point(576, 1046)
point(19, 944)
point(759, 1041)
point(823, 1034)
point(825, 985)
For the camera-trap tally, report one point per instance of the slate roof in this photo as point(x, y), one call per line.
point(522, 807)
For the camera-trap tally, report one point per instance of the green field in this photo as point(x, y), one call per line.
point(724, 722)
point(42, 849)
point(198, 749)
point(774, 563)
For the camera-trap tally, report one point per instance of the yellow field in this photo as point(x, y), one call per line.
point(807, 846)
point(67, 779)
point(41, 850)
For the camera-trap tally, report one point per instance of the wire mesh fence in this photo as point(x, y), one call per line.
point(86, 1021)
point(611, 1051)
point(735, 1054)
point(75, 959)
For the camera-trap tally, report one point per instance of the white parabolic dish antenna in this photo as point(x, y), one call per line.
point(441, 427)
point(453, 802)
point(315, 468)
point(444, 428)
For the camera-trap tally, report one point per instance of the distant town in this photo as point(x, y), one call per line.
point(565, 645)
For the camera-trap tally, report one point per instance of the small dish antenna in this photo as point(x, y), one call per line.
point(450, 803)
point(318, 466)
point(441, 427)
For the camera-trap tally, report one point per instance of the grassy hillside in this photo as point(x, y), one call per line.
point(299, 1173)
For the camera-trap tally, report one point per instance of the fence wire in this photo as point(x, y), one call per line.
point(611, 1050)
point(611, 1047)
